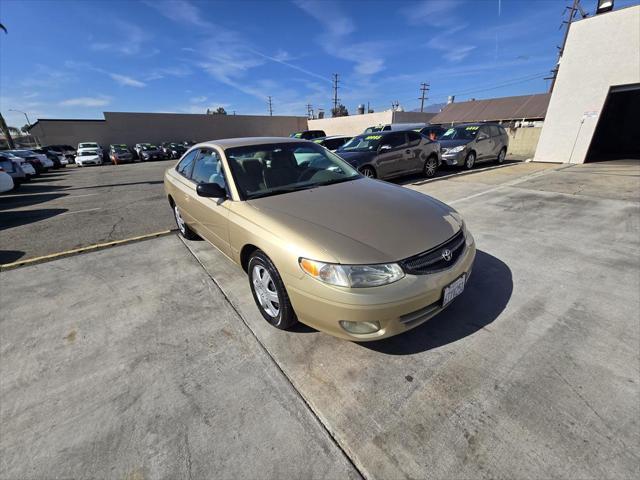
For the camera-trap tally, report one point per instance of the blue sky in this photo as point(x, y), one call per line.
point(76, 59)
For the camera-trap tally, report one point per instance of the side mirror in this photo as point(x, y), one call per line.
point(482, 136)
point(385, 148)
point(211, 190)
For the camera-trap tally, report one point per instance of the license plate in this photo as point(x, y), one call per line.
point(454, 289)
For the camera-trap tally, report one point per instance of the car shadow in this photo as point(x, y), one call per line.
point(446, 171)
point(10, 256)
point(485, 297)
point(18, 201)
point(24, 217)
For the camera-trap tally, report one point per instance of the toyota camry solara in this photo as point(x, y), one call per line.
point(355, 257)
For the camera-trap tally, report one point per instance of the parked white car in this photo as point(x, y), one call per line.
point(91, 147)
point(6, 182)
point(26, 167)
point(44, 161)
point(88, 157)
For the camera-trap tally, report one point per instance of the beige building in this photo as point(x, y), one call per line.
point(356, 124)
point(594, 110)
point(132, 128)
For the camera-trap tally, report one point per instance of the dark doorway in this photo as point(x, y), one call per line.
point(617, 134)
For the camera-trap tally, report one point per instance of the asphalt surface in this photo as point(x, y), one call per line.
point(153, 361)
point(75, 207)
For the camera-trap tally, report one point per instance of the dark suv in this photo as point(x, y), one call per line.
point(308, 134)
point(466, 144)
point(391, 154)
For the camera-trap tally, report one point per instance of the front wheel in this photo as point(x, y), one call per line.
point(430, 167)
point(183, 228)
point(269, 293)
point(368, 172)
point(470, 161)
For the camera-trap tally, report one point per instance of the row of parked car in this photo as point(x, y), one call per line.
point(21, 165)
point(91, 153)
point(392, 150)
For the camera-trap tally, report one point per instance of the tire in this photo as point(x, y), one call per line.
point(269, 293)
point(501, 155)
point(368, 172)
point(430, 167)
point(183, 228)
point(470, 160)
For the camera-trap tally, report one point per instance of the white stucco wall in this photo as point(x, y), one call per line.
point(601, 51)
point(352, 124)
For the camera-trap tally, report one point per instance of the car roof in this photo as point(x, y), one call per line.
point(247, 141)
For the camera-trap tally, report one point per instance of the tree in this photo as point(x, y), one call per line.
point(340, 111)
point(220, 111)
point(25, 129)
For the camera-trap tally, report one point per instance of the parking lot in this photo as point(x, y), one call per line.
point(151, 360)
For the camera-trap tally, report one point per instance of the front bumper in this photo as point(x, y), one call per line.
point(454, 159)
point(398, 307)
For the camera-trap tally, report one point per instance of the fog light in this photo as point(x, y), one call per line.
point(360, 328)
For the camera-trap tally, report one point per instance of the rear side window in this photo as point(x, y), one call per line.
point(335, 143)
point(208, 168)
point(494, 131)
point(395, 140)
point(186, 164)
point(414, 138)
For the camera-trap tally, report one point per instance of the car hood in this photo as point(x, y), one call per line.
point(356, 158)
point(357, 222)
point(452, 143)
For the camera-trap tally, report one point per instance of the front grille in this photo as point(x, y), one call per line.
point(433, 260)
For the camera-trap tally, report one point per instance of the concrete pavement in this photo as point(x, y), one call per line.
point(129, 363)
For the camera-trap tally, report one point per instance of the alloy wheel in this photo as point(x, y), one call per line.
point(470, 161)
point(179, 220)
point(367, 172)
point(501, 156)
point(430, 167)
point(265, 290)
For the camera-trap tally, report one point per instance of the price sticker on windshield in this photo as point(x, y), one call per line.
point(472, 128)
point(450, 131)
point(373, 137)
point(317, 140)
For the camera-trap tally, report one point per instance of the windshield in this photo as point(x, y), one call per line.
point(362, 143)
point(460, 133)
point(88, 145)
point(87, 153)
point(120, 150)
point(263, 170)
point(149, 147)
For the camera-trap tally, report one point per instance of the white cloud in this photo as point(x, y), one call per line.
point(86, 102)
point(435, 13)
point(180, 11)
point(127, 81)
point(335, 40)
point(130, 39)
point(198, 99)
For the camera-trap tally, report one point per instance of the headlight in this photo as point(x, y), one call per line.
point(353, 276)
point(457, 149)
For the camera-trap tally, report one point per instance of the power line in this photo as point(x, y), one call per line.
point(335, 92)
point(270, 106)
point(424, 88)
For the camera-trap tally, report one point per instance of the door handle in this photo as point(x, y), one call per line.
point(407, 151)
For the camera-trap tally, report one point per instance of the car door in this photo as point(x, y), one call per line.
point(183, 186)
point(483, 144)
point(496, 141)
point(415, 147)
point(211, 214)
point(390, 161)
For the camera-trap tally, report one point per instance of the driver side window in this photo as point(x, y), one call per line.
point(394, 140)
point(208, 168)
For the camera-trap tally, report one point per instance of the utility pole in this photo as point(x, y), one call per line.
point(270, 107)
point(310, 111)
point(424, 88)
point(573, 9)
point(335, 92)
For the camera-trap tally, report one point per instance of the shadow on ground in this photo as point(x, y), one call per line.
point(9, 256)
point(486, 295)
point(15, 219)
point(18, 201)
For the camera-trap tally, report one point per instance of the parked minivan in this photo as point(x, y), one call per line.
point(466, 144)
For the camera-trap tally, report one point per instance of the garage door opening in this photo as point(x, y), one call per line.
point(617, 135)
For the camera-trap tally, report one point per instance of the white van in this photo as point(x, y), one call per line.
point(395, 126)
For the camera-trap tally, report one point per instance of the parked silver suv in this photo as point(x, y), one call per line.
point(466, 144)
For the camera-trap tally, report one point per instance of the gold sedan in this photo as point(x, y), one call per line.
point(354, 257)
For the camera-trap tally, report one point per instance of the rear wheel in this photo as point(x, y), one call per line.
point(501, 155)
point(470, 161)
point(368, 172)
point(430, 166)
point(269, 292)
point(183, 228)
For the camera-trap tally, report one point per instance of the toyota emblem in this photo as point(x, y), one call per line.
point(446, 254)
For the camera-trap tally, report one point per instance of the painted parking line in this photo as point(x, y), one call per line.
point(77, 251)
point(81, 211)
point(464, 172)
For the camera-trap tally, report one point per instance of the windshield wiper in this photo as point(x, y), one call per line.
point(335, 180)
